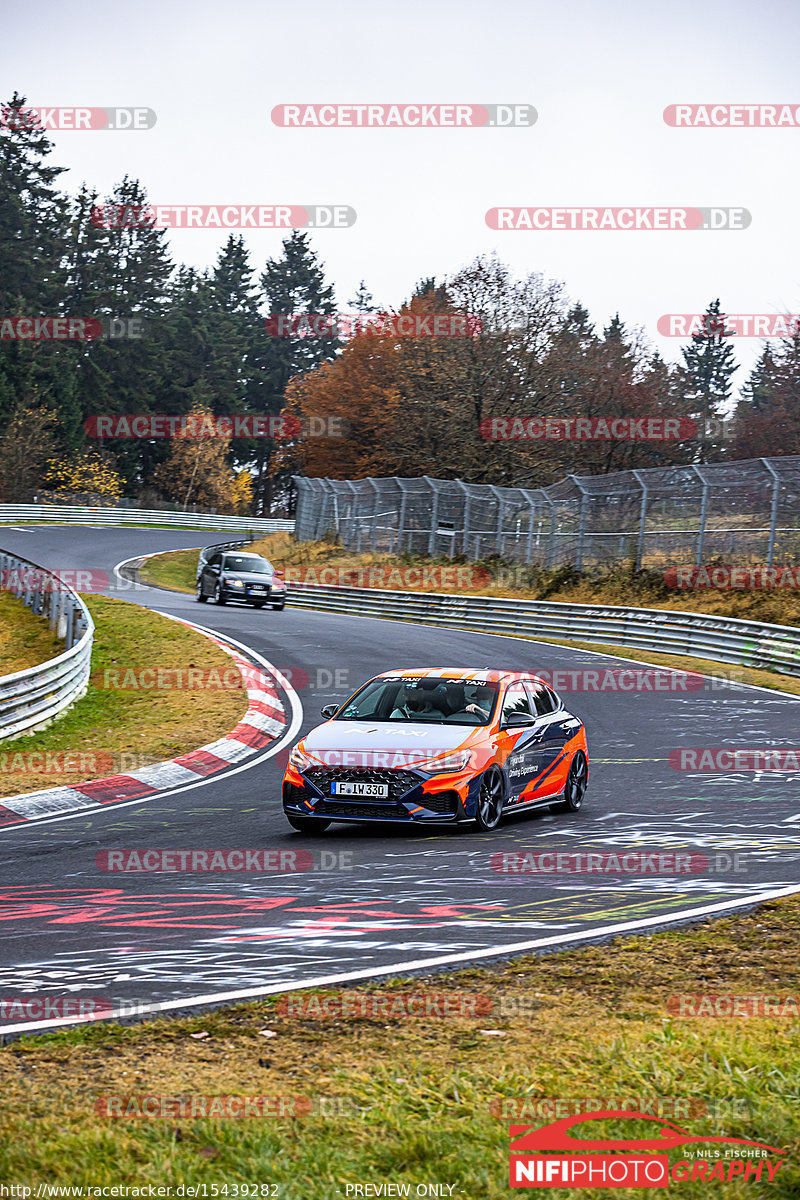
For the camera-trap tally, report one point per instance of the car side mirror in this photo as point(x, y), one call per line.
point(330, 710)
point(278, 573)
point(519, 720)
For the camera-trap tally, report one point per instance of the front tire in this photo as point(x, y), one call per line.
point(219, 595)
point(198, 594)
point(575, 787)
point(307, 824)
point(490, 800)
point(279, 607)
point(259, 603)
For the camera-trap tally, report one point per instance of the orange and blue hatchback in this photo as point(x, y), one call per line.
point(438, 745)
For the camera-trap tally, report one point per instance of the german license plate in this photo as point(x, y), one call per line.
point(376, 790)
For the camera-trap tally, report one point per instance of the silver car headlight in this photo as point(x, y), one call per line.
point(299, 759)
point(444, 763)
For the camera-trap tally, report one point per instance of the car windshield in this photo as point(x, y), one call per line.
point(244, 562)
point(424, 698)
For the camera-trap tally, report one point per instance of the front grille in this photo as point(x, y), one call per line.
point(399, 782)
point(370, 812)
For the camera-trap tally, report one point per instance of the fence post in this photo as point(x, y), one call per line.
point(528, 494)
point(465, 515)
point(551, 539)
point(498, 540)
point(401, 524)
point(434, 513)
point(581, 522)
point(773, 515)
point(701, 533)
point(642, 520)
point(375, 507)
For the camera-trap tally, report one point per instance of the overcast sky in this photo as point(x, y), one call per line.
point(598, 74)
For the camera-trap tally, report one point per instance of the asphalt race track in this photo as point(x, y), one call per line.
point(381, 898)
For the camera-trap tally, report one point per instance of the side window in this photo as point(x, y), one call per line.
point(215, 560)
point(516, 700)
point(542, 698)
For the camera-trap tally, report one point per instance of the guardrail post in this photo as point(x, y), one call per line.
point(773, 515)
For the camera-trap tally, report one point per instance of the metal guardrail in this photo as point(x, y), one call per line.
point(697, 635)
point(32, 698)
point(76, 515)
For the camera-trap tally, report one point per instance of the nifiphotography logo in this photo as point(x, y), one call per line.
point(634, 1162)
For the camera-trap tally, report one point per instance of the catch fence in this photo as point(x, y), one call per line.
point(737, 512)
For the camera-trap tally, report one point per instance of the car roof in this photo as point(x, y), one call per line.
point(473, 674)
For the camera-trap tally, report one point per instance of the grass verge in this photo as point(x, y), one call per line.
point(25, 639)
point(122, 728)
point(410, 1100)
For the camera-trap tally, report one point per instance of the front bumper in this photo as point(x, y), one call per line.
point(413, 798)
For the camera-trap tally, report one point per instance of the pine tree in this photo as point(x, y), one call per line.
point(294, 283)
point(363, 301)
point(759, 390)
point(708, 366)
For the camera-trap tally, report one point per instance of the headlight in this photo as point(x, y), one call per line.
point(445, 763)
point(299, 759)
point(234, 583)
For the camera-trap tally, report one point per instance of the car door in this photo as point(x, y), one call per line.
point(211, 572)
point(556, 727)
point(519, 748)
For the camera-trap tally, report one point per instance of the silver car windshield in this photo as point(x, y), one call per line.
point(241, 562)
